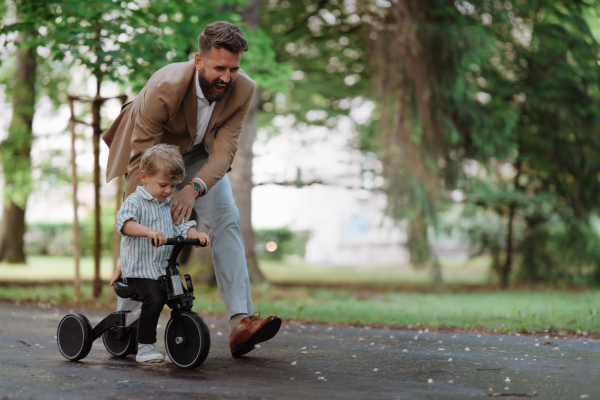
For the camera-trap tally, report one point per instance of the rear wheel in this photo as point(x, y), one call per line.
point(196, 349)
point(123, 346)
point(75, 337)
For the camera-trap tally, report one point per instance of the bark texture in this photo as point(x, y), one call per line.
point(413, 138)
point(16, 154)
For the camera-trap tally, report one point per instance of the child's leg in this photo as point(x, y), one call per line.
point(153, 298)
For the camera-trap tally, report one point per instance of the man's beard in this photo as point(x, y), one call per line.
point(208, 88)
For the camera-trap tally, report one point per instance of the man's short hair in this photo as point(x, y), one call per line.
point(221, 35)
point(163, 157)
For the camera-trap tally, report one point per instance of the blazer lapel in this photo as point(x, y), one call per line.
point(190, 106)
point(215, 115)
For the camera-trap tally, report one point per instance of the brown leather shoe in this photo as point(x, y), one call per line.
point(251, 331)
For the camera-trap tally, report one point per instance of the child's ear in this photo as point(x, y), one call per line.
point(143, 177)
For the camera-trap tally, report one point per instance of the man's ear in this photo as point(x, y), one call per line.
point(198, 61)
point(143, 177)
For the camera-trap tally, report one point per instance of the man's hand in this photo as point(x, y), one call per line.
point(157, 238)
point(116, 275)
point(183, 204)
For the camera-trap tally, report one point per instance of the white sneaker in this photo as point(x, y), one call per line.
point(148, 353)
point(168, 359)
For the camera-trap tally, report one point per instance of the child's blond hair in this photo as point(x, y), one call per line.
point(163, 157)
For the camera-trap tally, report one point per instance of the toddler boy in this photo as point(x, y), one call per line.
point(144, 217)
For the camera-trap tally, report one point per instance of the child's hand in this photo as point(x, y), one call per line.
point(202, 237)
point(157, 238)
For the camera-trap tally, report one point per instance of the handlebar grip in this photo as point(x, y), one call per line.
point(180, 240)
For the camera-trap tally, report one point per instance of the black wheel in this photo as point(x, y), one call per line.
point(123, 346)
point(197, 346)
point(75, 337)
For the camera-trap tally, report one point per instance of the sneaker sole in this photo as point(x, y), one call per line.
point(266, 332)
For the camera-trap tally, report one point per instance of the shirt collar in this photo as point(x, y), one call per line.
point(147, 196)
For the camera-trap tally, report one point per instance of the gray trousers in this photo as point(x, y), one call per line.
point(218, 212)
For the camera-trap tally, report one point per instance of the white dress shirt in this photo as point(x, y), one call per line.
point(205, 111)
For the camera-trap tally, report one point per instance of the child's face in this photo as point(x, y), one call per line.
point(160, 185)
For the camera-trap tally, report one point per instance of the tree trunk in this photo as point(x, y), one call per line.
point(241, 182)
point(507, 267)
point(16, 154)
point(241, 175)
point(76, 237)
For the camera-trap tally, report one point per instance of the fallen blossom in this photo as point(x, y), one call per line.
point(430, 380)
point(467, 349)
point(294, 363)
point(507, 379)
point(375, 370)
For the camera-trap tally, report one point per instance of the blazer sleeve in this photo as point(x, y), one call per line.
point(225, 146)
point(157, 107)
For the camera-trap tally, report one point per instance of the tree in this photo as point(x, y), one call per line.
point(16, 148)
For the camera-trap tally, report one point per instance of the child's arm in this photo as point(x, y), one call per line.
point(192, 233)
point(132, 228)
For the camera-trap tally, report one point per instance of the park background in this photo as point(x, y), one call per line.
point(426, 165)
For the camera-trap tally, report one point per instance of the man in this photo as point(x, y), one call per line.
point(199, 106)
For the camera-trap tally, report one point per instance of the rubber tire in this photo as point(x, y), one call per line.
point(122, 347)
point(198, 341)
point(74, 337)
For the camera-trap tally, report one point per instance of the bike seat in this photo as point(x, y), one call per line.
point(123, 290)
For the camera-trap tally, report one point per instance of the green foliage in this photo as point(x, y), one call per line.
point(288, 242)
point(56, 239)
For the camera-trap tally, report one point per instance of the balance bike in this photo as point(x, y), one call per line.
point(187, 339)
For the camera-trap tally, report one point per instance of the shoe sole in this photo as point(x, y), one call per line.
point(151, 361)
point(266, 332)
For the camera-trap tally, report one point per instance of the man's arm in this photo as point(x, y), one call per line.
point(157, 106)
point(224, 146)
point(219, 160)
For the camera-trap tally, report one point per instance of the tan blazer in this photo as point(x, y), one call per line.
point(165, 111)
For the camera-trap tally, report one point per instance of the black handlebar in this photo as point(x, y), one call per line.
point(181, 241)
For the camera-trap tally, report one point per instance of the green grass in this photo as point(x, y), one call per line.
point(455, 270)
point(47, 268)
point(513, 310)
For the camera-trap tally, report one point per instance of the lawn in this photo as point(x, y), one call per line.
point(511, 310)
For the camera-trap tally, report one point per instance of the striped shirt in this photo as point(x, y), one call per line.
point(139, 258)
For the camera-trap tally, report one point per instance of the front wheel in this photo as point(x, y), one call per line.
point(195, 351)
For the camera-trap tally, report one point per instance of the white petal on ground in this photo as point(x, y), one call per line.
point(507, 379)
point(353, 356)
point(391, 336)
point(294, 363)
point(219, 333)
point(304, 352)
point(430, 380)
point(584, 396)
point(303, 348)
point(318, 373)
point(467, 349)
point(449, 359)
point(405, 351)
point(507, 388)
point(322, 378)
point(375, 370)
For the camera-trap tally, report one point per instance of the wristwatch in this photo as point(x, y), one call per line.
point(197, 186)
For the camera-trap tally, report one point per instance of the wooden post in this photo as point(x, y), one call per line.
point(76, 238)
point(97, 230)
point(116, 238)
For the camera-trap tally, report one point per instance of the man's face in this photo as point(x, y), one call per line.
point(217, 72)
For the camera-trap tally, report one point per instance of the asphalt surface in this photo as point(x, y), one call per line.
point(302, 361)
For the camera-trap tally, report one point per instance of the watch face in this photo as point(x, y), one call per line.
point(197, 186)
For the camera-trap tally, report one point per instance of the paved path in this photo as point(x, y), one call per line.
point(303, 361)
